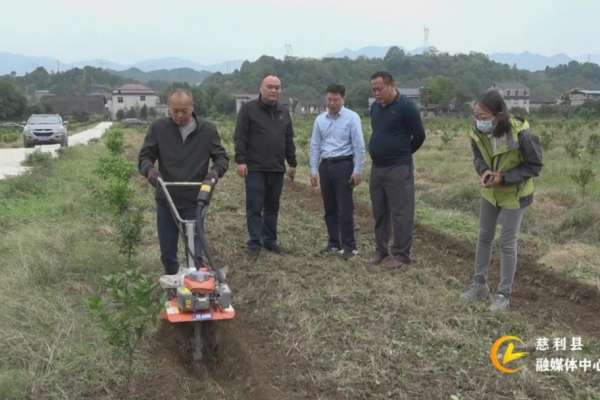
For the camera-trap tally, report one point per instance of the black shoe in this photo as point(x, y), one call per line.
point(404, 259)
point(379, 258)
point(274, 248)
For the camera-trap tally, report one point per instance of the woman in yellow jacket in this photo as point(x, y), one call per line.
point(506, 156)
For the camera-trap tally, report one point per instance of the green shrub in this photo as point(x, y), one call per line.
point(113, 166)
point(583, 177)
point(126, 313)
point(38, 159)
point(573, 146)
point(130, 224)
point(593, 144)
point(114, 141)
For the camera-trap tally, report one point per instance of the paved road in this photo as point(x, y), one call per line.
point(11, 159)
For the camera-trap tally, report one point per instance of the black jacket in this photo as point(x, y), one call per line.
point(182, 161)
point(397, 132)
point(264, 137)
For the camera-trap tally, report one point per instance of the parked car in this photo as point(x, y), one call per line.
point(45, 129)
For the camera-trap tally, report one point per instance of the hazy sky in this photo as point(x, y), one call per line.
point(127, 31)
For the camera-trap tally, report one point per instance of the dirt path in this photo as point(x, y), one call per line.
point(11, 159)
point(537, 292)
point(252, 366)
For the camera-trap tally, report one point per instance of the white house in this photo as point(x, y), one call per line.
point(516, 95)
point(132, 95)
point(580, 96)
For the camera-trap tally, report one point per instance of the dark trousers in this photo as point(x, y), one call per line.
point(334, 178)
point(263, 190)
point(168, 235)
point(393, 201)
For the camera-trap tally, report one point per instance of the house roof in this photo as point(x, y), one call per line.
point(592, 92)
point(410, 91)
point(509, 85)
point(133, 88)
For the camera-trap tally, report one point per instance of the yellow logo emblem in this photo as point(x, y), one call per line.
point(507, 345)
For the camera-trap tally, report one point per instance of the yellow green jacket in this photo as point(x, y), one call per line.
point(517, 155)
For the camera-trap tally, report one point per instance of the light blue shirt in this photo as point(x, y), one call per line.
point(337, 136)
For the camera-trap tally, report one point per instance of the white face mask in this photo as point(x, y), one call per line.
point(484, 126)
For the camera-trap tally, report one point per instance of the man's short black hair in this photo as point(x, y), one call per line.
point(388, 79)
point(336, 88)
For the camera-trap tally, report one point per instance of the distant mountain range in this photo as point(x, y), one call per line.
point(21, 64)
point(525, 60)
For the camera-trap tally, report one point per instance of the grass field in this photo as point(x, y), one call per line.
point(308, 327)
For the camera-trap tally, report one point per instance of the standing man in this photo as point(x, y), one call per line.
point(183, 144)
point(337, 143)
point(264, 139)
point(397, 133)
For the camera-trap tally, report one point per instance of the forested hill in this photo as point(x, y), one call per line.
point(464, 75)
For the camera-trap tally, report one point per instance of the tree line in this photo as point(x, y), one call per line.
point(445, 79)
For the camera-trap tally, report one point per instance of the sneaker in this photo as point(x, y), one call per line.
point(500, 303)
point(348, 254)
point(477, 291)
point(330, 250)
point(379, 258)
point(274, 248)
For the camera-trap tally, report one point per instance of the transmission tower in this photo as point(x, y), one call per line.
point(289, 50)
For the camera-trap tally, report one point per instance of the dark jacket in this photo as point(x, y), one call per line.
point(182, 161)
point(397, 132)
point(264, 137)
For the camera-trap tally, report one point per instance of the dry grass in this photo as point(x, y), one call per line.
point(308, 327)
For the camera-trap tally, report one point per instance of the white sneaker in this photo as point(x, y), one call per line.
point(347, 255)
point(500, 303)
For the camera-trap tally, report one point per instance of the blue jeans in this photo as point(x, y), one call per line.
point(263, 190)
point(168, 235)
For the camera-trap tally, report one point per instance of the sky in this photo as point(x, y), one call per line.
point(128, 31)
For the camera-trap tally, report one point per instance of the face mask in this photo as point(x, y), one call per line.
point(484, 126)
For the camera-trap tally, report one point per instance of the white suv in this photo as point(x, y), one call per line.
point(45, 129)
